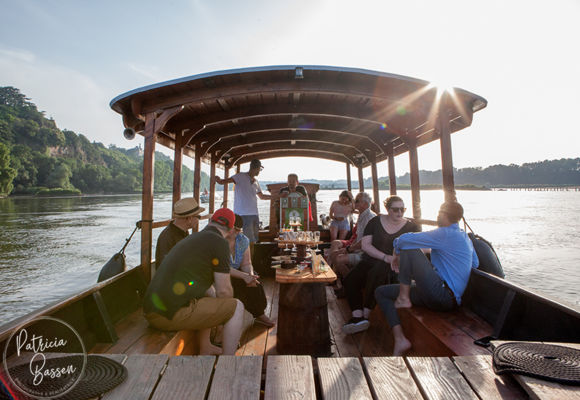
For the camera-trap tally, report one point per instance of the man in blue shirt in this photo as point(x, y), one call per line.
point(439, 283)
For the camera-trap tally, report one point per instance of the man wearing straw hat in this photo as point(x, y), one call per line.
point(185, 211)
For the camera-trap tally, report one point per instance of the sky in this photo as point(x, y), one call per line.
point(71, 57)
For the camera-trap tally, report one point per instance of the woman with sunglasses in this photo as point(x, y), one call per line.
point(247, 287)
point(374, 269)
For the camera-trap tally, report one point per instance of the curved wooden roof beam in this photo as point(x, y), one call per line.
point(296, 153)
point(279, 138)
point(261, 131)
point(338, 149)
point(365, 117)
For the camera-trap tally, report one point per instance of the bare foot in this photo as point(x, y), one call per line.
point(264, 320)
point(210, 350)
point(403, 303)
point(401, 347)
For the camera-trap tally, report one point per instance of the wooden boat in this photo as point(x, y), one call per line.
point(354, 117)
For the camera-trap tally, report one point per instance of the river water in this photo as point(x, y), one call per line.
point(51, 248)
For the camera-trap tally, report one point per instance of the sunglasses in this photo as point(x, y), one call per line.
point(397, 209)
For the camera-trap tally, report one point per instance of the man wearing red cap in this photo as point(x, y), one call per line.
point(245, 201)
point(177, 297)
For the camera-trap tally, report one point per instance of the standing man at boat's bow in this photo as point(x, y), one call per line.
point(177, 298)
point(245, 201)
point(439, 283)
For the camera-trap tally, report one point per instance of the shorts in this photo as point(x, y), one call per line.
point(251, 227)
point(341, 225)
point(201, 313)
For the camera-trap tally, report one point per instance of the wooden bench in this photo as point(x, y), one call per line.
point(137, 337)
point(444, 333)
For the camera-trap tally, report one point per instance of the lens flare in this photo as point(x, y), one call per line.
point(157, 302)
point(178, 288)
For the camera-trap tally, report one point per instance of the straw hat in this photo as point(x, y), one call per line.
point(186, 208)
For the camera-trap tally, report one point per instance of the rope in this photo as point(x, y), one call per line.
point(138, 226)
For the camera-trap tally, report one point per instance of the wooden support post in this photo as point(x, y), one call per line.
point(361, 181)
point(196, 183)
point(227, 185)
point(212, 184)
point(446, 154)
point(154, 123)
point(147, 194)
point(415, 185)
point(238, 169)
point(177, 164)
point(392, 173)
point(348, 178)
point(376, 200)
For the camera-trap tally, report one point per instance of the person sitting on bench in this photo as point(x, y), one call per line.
point(373, 270)
point(439, 283)
point(177, 297)
point(245, 282)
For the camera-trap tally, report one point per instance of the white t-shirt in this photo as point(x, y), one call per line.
point(245, 200)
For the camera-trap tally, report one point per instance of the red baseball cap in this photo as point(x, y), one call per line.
point(224, 216)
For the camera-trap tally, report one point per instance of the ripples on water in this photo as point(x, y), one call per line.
point(53, 247)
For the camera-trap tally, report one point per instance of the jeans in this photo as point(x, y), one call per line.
point(251, 227)
point(429, 289)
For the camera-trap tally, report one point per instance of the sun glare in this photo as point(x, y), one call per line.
point(442, 86)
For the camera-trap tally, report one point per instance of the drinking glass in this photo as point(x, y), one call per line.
point(316, 238)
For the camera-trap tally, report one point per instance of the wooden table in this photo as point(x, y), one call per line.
point(303, 326)
point(296, 377)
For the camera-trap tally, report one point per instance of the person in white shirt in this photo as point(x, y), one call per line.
point(345, 254)
point(245, 200)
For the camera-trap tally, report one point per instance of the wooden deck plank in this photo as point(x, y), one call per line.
point(236, 378)
point(377, 340)
point(342, 378)
point(438, 378)
point(254, 339)
point(186, 377)
point(479, 372)
point(271, 339)
point(144, 372)
point(343, 343)
point(129, 330)
point(539, 389)
point(289, 377)
point(390, 378)
point(153, 341)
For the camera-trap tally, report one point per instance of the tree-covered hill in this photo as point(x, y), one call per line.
point(37, 157)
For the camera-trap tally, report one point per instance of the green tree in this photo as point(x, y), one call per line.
point(59, 177)
point(7, 173)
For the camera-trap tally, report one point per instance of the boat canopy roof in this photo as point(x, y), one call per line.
point(348, 115)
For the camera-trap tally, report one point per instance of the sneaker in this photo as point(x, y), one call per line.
point(355, 324)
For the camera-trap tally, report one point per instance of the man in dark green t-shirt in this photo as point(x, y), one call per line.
point(177, 299)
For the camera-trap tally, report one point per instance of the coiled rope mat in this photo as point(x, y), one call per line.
point(101, 375)
point(545, 361)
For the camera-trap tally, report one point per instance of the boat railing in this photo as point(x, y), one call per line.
point(94, 291)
